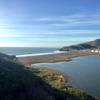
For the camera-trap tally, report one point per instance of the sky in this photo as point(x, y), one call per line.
point(48, 23)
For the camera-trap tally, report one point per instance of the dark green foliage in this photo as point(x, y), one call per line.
point(8, 57)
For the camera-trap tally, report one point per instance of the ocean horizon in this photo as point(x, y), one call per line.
point(27, 50)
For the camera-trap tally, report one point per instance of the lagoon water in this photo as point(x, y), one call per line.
point(85, 72)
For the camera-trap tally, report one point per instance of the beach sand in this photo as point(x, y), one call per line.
point(50, 58)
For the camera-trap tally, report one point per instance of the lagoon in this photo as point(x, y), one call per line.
point(84, 71)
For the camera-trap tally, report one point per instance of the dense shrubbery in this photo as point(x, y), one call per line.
point(20, 83)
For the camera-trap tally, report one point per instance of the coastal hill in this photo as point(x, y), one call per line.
point(83, 46)
point(18, 82)
point(95, 43)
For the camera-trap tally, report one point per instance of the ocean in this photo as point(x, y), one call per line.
point(25, 50)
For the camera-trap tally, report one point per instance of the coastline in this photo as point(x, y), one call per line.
point(58, 80)
point(27, 60)
point(53, 78)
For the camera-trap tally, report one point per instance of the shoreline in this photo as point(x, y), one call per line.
point(40, 54)
point(66, 78)
point(30, 59)
point(60, 79)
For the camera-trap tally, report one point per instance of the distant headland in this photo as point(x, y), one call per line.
point(83, 46)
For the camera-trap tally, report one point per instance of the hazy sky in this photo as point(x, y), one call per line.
point(48, 23)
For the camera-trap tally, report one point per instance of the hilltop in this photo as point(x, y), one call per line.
point(83, 46)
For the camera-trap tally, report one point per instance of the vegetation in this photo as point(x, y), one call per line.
point(8, 57)
point(21, 83)
point(56, 80)
point(87, 45)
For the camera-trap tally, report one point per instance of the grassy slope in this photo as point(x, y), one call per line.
point(20, 83)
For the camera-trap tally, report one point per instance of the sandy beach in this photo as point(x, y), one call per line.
point(50, 58)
